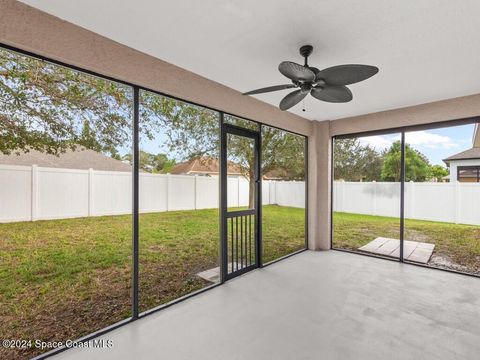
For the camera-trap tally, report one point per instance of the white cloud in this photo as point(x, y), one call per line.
point(379, 142)
point(417, 139)
point(430, 140)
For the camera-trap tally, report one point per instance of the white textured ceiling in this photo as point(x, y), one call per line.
point(426, 50)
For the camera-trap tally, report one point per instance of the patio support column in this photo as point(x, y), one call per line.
point(319, 186)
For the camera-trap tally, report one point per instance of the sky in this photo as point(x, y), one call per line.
point(436, 144)
point(156, 146)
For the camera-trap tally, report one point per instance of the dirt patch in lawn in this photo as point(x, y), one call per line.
point(445, 262)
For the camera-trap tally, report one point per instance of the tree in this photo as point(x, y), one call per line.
point(438, 172)
point(159, 163)
point(417, 166)
point(50, 108)
point(356, 162)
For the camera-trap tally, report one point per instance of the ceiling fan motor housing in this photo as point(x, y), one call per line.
point(306, 51)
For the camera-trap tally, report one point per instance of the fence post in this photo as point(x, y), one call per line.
point(90, 192)
point(411, 200)
point(195, 192)
point(238, 191)
point(34, 200)
point(273, 192)
point(457, 202)
point(168, 191)
point(374, 200)
point(342, 196)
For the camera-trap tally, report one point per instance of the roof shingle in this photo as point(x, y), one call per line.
point(204, 165)
point(473, 153)
point(82, 158)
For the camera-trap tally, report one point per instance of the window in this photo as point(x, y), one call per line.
point(442, 219)
point(179, 199)
point(65, 202)
point(468, 173)
point(420, 188)
point(366, 194)
point(283, 193)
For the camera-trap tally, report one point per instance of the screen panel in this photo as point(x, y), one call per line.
point(366, 195)
point(65, 202)
point(283, 193)
point(179, 199)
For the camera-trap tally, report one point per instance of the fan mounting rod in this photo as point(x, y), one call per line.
point(305, 51)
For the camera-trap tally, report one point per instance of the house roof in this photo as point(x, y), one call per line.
point(204, 165)
point(279, 173)
point(473, 153)
point(79, 159)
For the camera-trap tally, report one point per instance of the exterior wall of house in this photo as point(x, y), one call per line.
point(454, 164)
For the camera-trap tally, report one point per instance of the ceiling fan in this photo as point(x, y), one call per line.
point(326, 85)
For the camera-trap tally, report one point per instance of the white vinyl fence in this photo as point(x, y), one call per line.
point(448, 202)
point(38, 193)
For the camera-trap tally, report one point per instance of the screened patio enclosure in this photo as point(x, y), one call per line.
point(145, 200)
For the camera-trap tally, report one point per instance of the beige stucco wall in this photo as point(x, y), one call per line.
point(434, 112)
point(319, 168)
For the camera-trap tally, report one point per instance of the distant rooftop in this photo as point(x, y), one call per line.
point(79, 159)
point(204, 166)
point(473, 153)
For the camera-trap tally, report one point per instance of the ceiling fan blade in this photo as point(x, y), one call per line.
point(292, 99)
point(346, 74)
point(269, 88)
point(296, 72)
point(333, 94)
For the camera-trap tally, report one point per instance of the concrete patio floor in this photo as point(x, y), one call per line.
point(314, 305)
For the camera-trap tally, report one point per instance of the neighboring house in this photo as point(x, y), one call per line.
point(82, 159)
point(465, 166)
point(280, 174)
point(205, 166)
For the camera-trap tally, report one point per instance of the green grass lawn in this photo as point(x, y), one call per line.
point(456, 246)
point(62, 279)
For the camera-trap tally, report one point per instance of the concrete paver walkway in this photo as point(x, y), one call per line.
point(413, 250)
